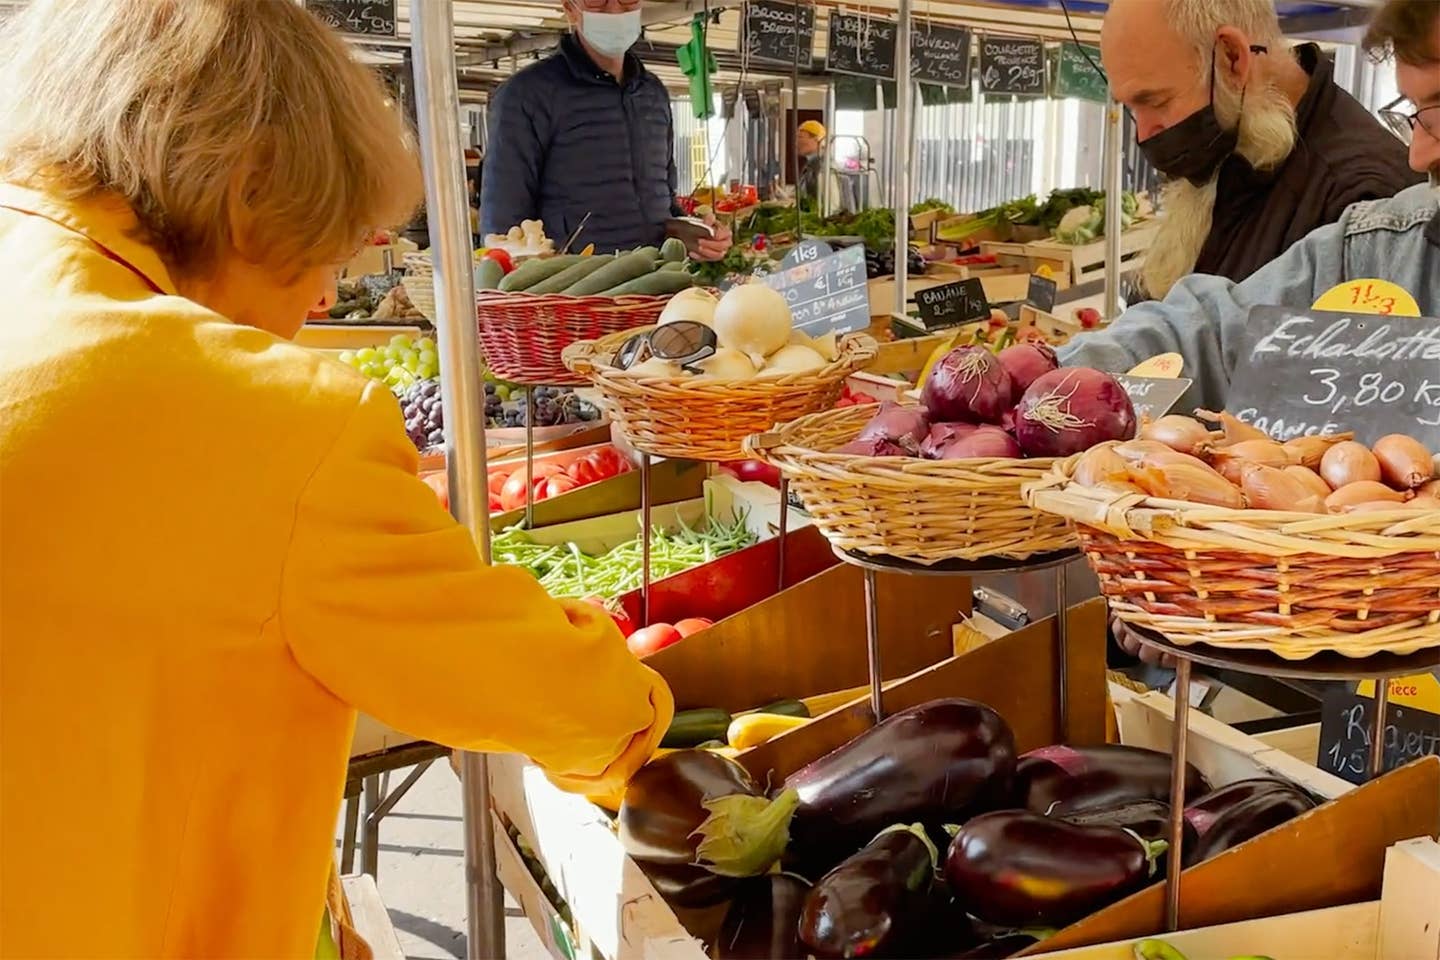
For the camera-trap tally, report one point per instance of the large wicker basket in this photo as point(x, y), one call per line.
point(1296, 584)
point(522, 335)
point(923, 511)
point(698, 418)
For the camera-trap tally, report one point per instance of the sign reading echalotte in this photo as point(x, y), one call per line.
point(365, 18)
point(777, 31)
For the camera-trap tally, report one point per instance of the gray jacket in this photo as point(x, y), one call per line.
point(1202, 317)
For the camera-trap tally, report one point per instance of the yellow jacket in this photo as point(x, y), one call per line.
point(213, 551)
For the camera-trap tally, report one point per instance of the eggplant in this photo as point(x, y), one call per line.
point(875, 902)
point(1250, 818)
point(763, 922)
point(937, 763)
point(1148, 818)
point(696, 808)
point(1202, 813)
point(686, 885)
point(1063, 780)
point(1021, 869)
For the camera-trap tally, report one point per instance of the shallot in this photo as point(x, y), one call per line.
point(1348, 462)
point(1231, 459)
point(1389, 506)
point(1312, 480)
point(1234, 429)
point(1430, 491)
point(1153, 452)
point(1268, 488)
point(1361, 491)
point(1404, 462)
point(1183, 481)
point(1070, 410)
point(1099, 464)
point(1307, 451)
point(1177, 432)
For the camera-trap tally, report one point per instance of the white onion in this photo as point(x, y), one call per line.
point(695, 304)
point(792, 359)
point(753, 319)
point(727, 364)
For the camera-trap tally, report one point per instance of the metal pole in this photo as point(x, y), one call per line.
point(1377, 728)
point(1175, 853)
point(1062, 646)
point(872, 645)
point(437, 110)
point(900, 146)
point(529, 457)
point(780, 539)
point(645, 505)
point(1114, 156)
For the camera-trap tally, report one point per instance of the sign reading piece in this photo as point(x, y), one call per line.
point(827, 293)
point(775, 31)
point(1345, 724)
point(365, 18)
point(1316, 372)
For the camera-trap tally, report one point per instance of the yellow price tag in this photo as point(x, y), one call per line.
point(1369, 296)
point(1421, 691)
point(1167, 366)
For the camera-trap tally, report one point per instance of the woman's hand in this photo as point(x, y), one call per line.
point(1128, 641)
point(716, 247)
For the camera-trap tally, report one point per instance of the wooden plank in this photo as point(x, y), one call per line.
point(1332, 855)
point(910, 354)
point(1410, 902)
point(370, 917)
point(1015, 675)
point(1302, 743)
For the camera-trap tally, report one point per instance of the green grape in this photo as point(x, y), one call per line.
point(412, 365)
point(399, 340)
point(392, 353)
point(347, 356)
point(367, 354)
point(502, 391)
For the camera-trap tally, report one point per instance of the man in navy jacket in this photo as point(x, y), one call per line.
point(587, 131)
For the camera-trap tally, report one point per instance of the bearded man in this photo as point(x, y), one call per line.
point(1258, 143)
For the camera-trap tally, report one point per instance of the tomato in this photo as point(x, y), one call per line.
point(622, 622)
point(497, 481)
point(692, 625)
point(554, 486)
point(583, 471)
point(495, 504)
point(1089, 317)
point(607, 462)
point(512, 494)
point(500, 257)
point(441, 485)
point(754, 471)
point(647, 640)
point(844, 402)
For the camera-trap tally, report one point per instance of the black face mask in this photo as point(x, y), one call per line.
point(1195, 147)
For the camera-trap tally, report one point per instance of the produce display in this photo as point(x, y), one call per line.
point(1181, 458)
point(881, 263)
point(924, 836)
point(931, 203)
point(424, 413)
point(1028, 211)
point(1019, 403)
point(647, 271)
point(376, 296)
point(507, 484)
point(400, 364)
point(564, 570)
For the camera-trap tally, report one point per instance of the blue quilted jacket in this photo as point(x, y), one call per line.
point(566, 139)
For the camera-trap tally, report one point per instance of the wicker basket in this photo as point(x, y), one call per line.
point(702, 419)
point(1296, 584)
point(522, 335)
point(923, 511)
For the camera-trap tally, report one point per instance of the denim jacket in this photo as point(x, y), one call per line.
point(1202, 317)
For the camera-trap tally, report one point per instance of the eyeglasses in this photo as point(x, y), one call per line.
point(1403, 124)
point(685, 342)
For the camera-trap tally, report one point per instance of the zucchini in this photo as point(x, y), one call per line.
point(622, 269)
point(673, 266)
point(673, 250)
point(572, 274)
point(785, 708)
point(658, 283)
point(488, 274)
point(532, 272)
point(691, 728)
point(652, 252)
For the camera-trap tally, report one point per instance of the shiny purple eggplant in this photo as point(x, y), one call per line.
point(1021, 869)
point(937, 763)
point(1261, 812)
point(1148, 818)
point(1202, 813)
point(875, 903)
point(689, 886)
point(1062, 780)
point(763, 922)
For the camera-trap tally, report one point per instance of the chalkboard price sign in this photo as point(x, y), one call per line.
point(952, 304)
point(1076, 76)
point(1153, 397)
point(771, 28)
point(940, 54)
point(1012, 65)
point(1316, 372)
point(366, 18)
point(1345, 729)
point(1041, 293)
point(806, 251)
point(863, 46)
point(828, 293)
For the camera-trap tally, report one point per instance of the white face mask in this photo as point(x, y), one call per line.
point(611, 34)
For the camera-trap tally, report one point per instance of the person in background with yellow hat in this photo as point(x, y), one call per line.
point(809, 141)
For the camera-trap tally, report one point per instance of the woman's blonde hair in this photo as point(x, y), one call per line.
point(241, 125)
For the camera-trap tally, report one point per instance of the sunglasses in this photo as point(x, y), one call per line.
point(684, 342)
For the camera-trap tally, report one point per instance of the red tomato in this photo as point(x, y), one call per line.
point(624, 623)
point(582, 471)
point(1089, 317)
point(495, 504)
point(647, 640)
point(607, 462)
point(441, 485)
point(757, 472)
point(554, 486)
point(692, 625)
point(844, 402)
point(861, 398)
point(497, 481)
point(500, 257)
point(512, 494)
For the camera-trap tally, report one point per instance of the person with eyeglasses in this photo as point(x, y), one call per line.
point(584, 140)
point(1257, 143)
point(1398, 239)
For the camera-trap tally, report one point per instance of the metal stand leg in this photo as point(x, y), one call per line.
point(872, 641)
point(1176, 852)
point(370, 838)
point(487, 923)
point(529, 457)
point(1062, 649)
point(644, 539)
point(784, 520)
point(1377, 728)
point(352, 827)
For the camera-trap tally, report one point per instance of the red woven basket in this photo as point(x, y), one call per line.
point(523, 334)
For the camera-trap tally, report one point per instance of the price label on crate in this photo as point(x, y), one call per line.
point(952, 304)
point(1316, 372)
point(1411, 731)
point(825, 293)
point(365, 18)
point(1153, 397)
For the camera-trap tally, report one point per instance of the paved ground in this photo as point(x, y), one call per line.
point(422, 874)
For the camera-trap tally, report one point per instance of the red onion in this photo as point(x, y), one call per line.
point(901, 425)
point(872, 447)
point(1007, 420)
point(942, 435)
point(1027, 362)
point(986, 441)
point(1070, 410)
point(968, 385)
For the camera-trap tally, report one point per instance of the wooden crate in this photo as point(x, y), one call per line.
point(1087, 261)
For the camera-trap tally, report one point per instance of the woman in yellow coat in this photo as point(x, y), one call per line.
point(213, 546)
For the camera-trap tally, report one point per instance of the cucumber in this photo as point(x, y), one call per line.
point(622, 269)
point(673, 250)
point(488, 274)
point(532, 272)
point(652, 252)
point(572, 274)
point(691, 728)
point(673, 266)
point(658, 283)
point(785, 708)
